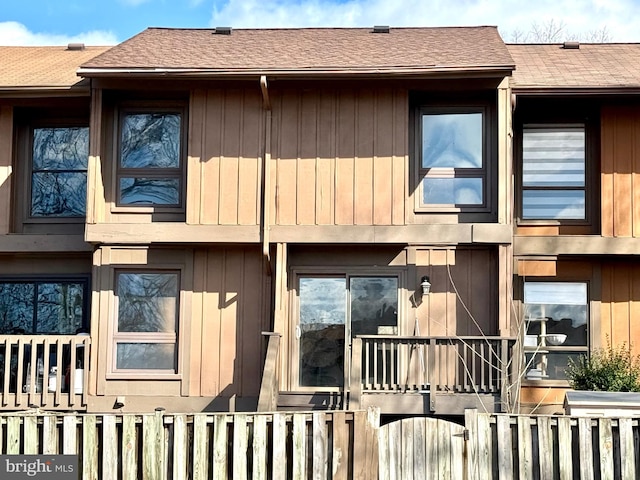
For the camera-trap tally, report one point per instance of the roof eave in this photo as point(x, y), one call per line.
point(493, 70)
point(45, 90)
point(538, 90)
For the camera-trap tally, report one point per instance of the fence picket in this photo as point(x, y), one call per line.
point(129, 448)
point(564, 445)
point(109, 447)
point(90, 448)
point(545, 448)
point(299, 453)
point(30, 426)
point(505, 452)
point(320, 459)
point(627, 453)
point(525, 457)
point(240, 444)
point(279, 446)
point(586, 448)
point(605, 442)
point(49, 435)
point(69, 435)
point(180, 449)
point(13, 435)
point(259, 447)
point(220, 440)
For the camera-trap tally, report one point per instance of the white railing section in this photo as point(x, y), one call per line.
point(44, 371)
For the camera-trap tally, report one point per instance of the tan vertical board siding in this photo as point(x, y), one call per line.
point(232, 316)
point(229, 158)
point(400, 134)
point(620, 304)
point(211, 156)
point(95, 209)
point(339, 157)
point(306, 158)
point(195, 158)
point(345, 154)
point(326, 162)
point(6, 144)
point(459, 278)
point(365, 139)
point(383, 159)
point(620, 165)
point(197, 322)
point(286, 159)
point(251, 152)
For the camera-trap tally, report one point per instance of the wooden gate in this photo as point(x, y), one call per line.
point(419, 448)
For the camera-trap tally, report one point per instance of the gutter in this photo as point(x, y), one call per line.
point(296, 73)
point(586, 91)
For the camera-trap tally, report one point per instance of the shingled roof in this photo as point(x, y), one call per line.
point(42, 67)
point(305, 51)
point(591, 66)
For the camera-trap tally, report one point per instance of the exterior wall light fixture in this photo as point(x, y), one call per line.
point(426, 286)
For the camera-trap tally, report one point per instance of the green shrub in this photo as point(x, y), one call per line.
point(607, 370)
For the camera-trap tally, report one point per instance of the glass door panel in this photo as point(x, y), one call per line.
point(374, 305)
point(321, 331)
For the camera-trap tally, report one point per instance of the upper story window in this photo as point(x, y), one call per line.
point(150, 159)
point(43, 306)
point(59, 171)
point(553, 172)
point(453, 159)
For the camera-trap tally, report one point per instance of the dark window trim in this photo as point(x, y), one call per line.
point(561, 114)
point(161, 107)
point(485, 102)
point(22, 221)
point(85, 280)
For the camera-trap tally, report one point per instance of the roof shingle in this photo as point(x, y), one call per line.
point(307, 50)
point(44, 67)
point(607, 65)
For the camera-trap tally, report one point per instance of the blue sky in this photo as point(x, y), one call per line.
point(105, 22)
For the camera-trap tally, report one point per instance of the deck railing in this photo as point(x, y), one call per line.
point(38, 371)
point(468, 364)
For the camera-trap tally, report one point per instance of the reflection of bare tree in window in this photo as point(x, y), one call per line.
point(59, 171)
point(41, 307)
point(150, 140)
point(150, 159)
point(147, 302)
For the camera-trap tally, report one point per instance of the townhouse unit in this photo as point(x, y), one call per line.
point(420, 219)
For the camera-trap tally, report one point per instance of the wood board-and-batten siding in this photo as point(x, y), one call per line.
point(337, 157)
point(620, 166)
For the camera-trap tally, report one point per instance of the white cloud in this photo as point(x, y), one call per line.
point(620, 17)
point(14, 33)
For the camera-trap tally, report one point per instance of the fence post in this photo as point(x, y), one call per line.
point(268, 398)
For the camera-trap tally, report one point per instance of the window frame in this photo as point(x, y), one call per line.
point(116, 337)
point(294, 317)
point(85, 280)
point(576, 349)
point(26, 122)
point(544, 115)
point(162, 107)
point(485, 172)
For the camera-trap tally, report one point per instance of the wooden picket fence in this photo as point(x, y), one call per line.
point(510, 446)
point(340, 445)
point(329, 445)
